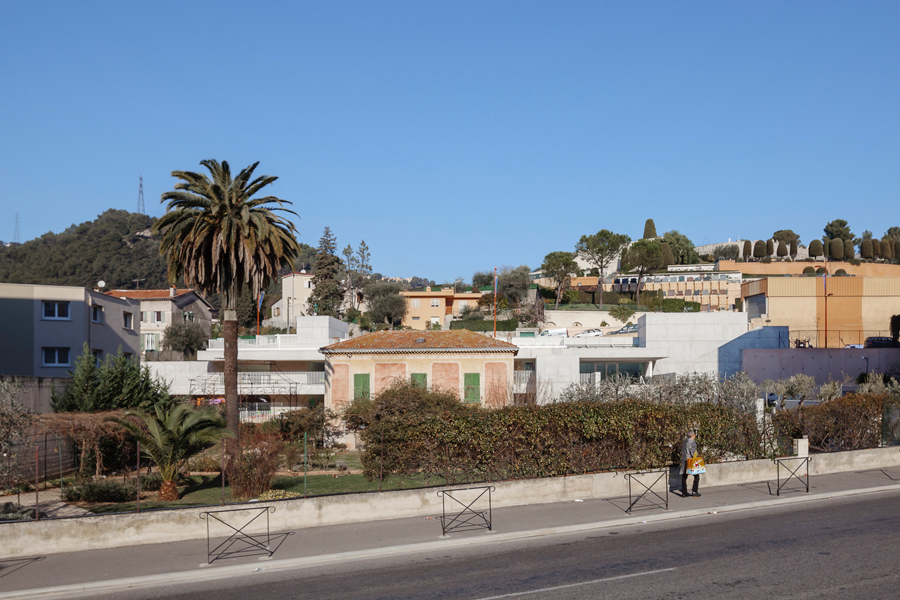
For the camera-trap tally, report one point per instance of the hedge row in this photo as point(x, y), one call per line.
point(558, 439)
point(486, 325)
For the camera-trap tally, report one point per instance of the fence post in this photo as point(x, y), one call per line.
point(305, 447)
point(37, 474)
point(222, 474)
point(138, 448)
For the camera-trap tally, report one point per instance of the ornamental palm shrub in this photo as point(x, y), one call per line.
point(170, 437)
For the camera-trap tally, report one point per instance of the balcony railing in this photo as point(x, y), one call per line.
point(269, 378)
point(523, 377)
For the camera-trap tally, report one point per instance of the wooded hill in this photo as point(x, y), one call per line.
point(117, 248)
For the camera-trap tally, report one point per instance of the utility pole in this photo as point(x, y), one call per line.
point(138, 283)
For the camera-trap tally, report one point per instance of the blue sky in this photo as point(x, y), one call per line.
point(455, 137)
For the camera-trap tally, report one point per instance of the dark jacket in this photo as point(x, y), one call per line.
point(687, 451)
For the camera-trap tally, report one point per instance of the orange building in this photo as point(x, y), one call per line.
point(424, 309)
point(474, 367)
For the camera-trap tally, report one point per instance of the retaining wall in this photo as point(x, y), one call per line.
point(110, 531)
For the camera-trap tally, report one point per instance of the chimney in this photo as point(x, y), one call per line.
point(171, 291)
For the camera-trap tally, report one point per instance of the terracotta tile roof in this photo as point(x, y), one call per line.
point(461, 339)
point(146, 294)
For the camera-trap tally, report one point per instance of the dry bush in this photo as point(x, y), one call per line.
point(251, 464)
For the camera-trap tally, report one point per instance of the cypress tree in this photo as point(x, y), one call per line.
point(865, 249)
point(770, 247)
point(848, 250)
point(668, 258)
point(794, 248)
point(748, 249)
point(759, 249)
point(815, 248)
point(328, 293)
point(876, 249)
point(887, 251)
point(649, 230)
point(782, 249)
point(837, 249)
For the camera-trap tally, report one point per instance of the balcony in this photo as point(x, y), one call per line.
point(273, 383)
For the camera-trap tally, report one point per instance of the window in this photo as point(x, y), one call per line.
point(361, 385)
point(55, 357)
point(435, 303)
point(128, 356)
point(98, 354)
point(415, 318)
point(58, 311)
point(127, 317)
point(473, 387)
point(158, 317)
point(97, 313)
point(435, 320)
point(414, 303)
point(419, 379)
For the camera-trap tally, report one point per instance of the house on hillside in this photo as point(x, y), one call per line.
point(161, 308)
point(434, 306)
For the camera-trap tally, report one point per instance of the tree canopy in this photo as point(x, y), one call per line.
point(838, 229)
point(559, 266)
point(643, 256)
point(385, 302)
point(649, 230)
point(682, 248)
point(600, 250)
point(328, 294)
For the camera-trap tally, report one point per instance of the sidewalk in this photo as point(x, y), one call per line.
point(98, 570)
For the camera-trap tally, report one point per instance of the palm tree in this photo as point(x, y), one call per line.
point(170, 438)
point(219, 238)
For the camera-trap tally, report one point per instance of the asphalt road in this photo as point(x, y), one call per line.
point(845, 548)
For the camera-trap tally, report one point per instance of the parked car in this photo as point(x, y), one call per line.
point(561, 331)
point(626, 329)
point(881, 342)
point(589, 333)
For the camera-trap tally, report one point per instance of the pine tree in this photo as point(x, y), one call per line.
point(649, 230)
point(327, 295)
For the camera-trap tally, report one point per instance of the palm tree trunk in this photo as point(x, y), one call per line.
point(230, 334)
point(168, 492)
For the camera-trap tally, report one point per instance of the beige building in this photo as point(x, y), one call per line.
point(161, 308)
point(45, 327)
point(424, 309)
point(474, 367)
point(713, 290)
point(829, 312)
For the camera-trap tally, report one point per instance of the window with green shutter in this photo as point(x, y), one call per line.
point(473, 387)
point(419, 379)
point(361, 385)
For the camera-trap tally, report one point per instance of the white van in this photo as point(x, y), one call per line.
point(555, 331)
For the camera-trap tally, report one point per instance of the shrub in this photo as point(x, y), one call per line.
point(486, 325)
point(809, 270)
point(854, 261)
point(251, 464)
point(10, 511)
point(840, 273)
point(554, 439)
point(206, 463)
point(278, 495)
point(815, 248)
point(106, 490)
point(821, 270)
point(765, 260)
point(151, 482)
point(851, 422)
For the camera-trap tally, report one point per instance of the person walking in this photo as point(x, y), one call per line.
point(688, 449)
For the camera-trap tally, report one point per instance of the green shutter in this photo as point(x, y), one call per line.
point(361, 385)
point(419, 380)
point(473, 387)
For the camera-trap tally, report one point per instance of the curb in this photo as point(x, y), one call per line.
point(216, 574)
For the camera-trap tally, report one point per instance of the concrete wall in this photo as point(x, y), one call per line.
point(178, 374)
point(702, 342)
point(36, 392)
point(825, 364)
point(90, 533)
point(579, 320)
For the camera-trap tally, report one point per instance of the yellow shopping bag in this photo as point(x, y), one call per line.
point(695, 465)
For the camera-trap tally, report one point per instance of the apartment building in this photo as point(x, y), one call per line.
point(433, 306)
point(161, 308)
point(45, 327)
point(713, 290)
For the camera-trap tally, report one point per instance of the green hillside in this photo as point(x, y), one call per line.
point(117, 247)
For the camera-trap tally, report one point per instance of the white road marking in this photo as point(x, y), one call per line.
point(571, 585)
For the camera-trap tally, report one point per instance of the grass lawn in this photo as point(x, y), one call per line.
point(203, 490)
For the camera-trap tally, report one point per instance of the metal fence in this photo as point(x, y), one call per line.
point(833, 338)
point(43, 458)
